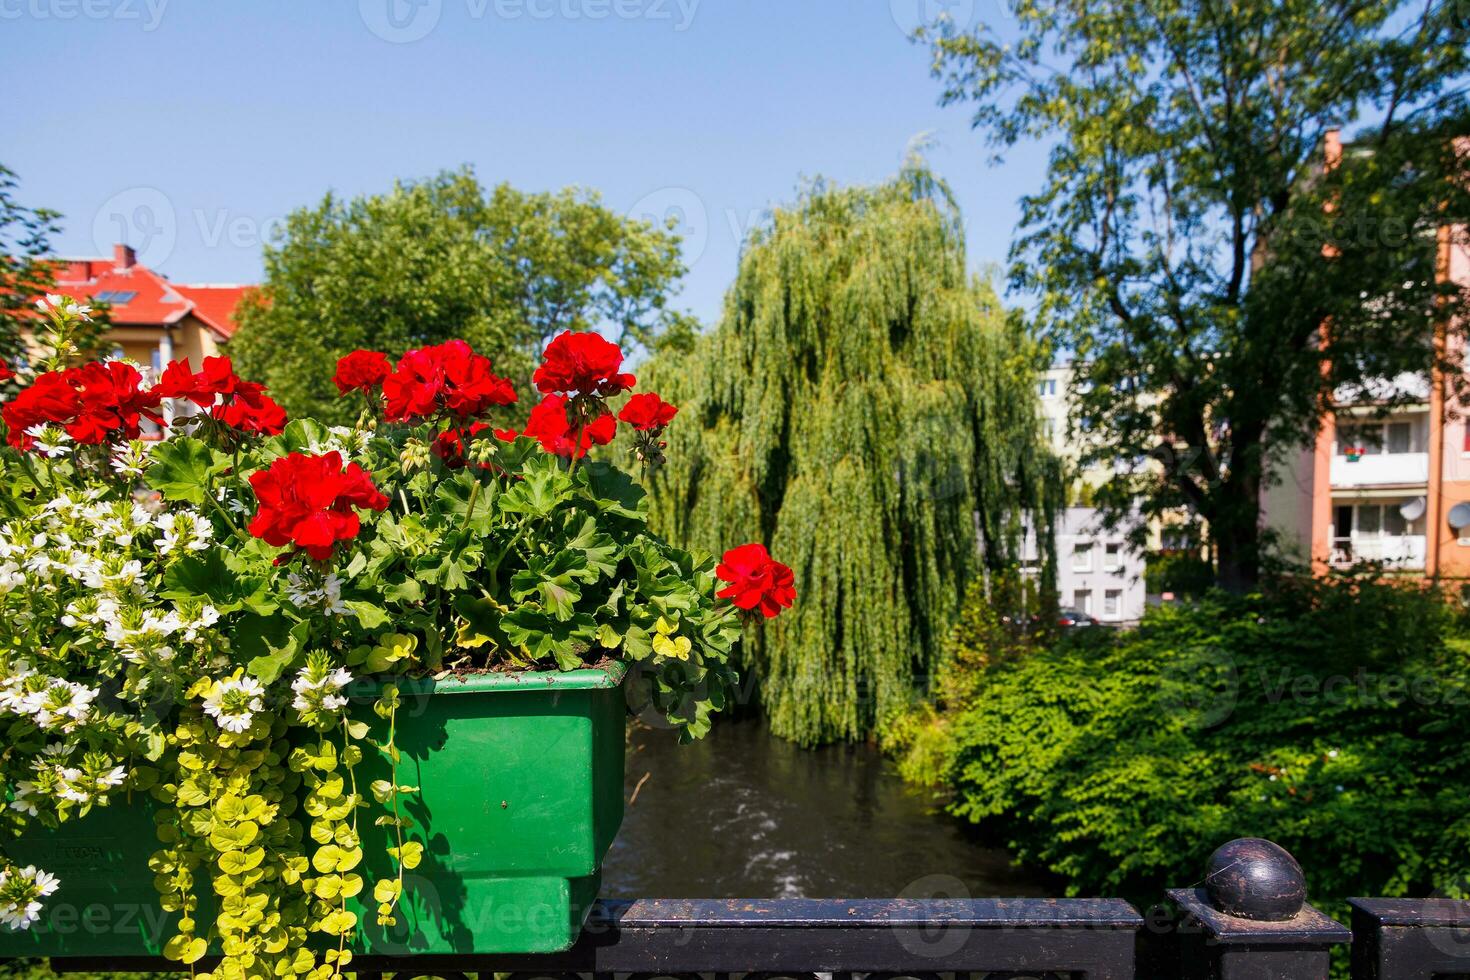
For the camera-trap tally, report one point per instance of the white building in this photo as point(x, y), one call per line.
point(1097, 571)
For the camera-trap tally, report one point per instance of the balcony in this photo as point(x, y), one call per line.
point(1405, 551)
point(1381, 470)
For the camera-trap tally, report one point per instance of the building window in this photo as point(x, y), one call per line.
point(1047, 388)
point(1400, 436)
point(1082, 556)
point(1113, 557)
point(1376, 439)
point(1082, 601)
point(1112, 604)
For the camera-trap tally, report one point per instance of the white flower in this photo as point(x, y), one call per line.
point(64, 306)
point(62, 704)
point(317, 688)
point(20, 895)
point(232, 703)
point(49, 440)
point(24, 800)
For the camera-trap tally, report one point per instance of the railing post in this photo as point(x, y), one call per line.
point(1410, 938)
point(1251, 920)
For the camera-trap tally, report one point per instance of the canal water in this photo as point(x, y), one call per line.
point(742, 814)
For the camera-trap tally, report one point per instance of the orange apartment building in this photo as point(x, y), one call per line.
point(1389, 488)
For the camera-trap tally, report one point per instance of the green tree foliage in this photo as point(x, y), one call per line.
point(440, 259)
point(28, 272)
point(25, 269)
point(1186, 244)
point(866, 409)
point(1122, 759)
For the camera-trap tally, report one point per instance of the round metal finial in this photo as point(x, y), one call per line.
point(1252, 878)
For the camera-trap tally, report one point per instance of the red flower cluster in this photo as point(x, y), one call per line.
point(757, 581)
point(308, 501)
point(647, 412)
point(446, 377)
point(245, 405)
point(92, 403)
point(551, 425)
point(5, 372)
point(582, 364)
point(362, 370)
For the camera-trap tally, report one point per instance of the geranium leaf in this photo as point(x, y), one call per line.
point(269, 666)
point(556, 581)
point(210, 577)
point(540, 634)
point(543, 488)
point(615, 491)
point(600, 550)
point(181, 468)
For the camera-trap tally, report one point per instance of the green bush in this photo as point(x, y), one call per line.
point(1328, 717)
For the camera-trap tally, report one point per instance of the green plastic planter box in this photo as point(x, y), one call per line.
point(521, 794)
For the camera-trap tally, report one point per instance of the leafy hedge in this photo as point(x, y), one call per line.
point(1329, 718)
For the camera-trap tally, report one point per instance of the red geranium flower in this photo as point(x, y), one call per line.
point(362, 370)
point(250, 409)
point(179, 381)
point(5, 372)
point(448, 376)
point(582, 364)
point(246, 406)
point(757, 581)
point(647, 412)
point(113, 400)
point(92, 403)
point(49, 399)
point(550, 425)
point(308, 501)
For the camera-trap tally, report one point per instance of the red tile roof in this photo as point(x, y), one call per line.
point(156, 301)
point(215, 305)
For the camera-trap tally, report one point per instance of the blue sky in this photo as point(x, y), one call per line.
point(190, 127)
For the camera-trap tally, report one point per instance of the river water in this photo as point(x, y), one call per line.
point(742, 814)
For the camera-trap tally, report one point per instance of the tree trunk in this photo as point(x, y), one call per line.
point(1238, 558)
point(1236, 528)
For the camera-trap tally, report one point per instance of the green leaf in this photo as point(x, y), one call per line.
point(370, 615)
point(407, 591)
point(267, 667)
point(556, 581)
point(181, 468)
point(410, 854)
point(208, 576)
point(541, 635)
point(544, 486)
point(600, 550)
point(615, 491)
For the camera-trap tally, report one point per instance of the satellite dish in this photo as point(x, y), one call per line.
point(1460, 516)
point(1414, 509)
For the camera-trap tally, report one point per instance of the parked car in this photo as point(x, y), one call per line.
point(1070, 618)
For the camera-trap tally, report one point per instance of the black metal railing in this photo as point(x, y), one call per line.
point(1248, 920)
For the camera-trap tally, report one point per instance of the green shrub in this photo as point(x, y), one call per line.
point(1328, 717)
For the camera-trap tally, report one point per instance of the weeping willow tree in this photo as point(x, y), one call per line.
point(867, 410)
